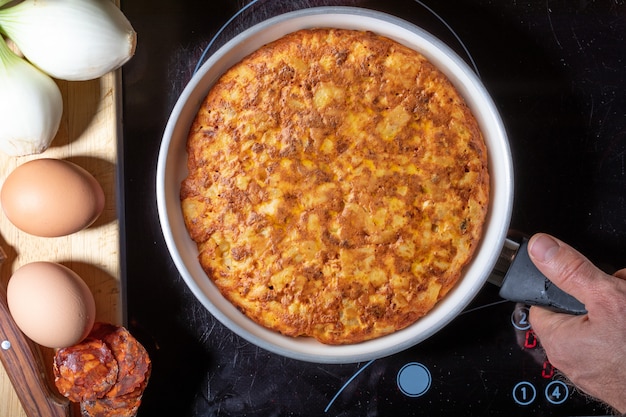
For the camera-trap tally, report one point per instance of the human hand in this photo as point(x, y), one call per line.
point(589, 349)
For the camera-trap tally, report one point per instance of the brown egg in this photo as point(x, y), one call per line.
point(51, 197)
point(51, 304)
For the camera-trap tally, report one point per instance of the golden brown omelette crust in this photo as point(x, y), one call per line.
point(337, 185)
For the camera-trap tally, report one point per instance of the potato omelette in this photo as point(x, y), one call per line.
point(338, 185)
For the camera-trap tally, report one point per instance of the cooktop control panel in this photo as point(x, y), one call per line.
point(470, 366)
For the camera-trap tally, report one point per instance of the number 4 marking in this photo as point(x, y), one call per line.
point(557, 392)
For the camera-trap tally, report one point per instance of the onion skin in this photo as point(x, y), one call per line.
point(31, 106)
point(72, 40)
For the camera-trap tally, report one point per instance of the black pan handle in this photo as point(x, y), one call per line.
point(523, 283)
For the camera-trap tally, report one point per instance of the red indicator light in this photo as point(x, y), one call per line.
point(547, 371)
point(530, 340)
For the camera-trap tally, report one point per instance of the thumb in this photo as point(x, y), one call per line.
point(566, 268)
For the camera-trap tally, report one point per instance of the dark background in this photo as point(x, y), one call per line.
point(557, 72)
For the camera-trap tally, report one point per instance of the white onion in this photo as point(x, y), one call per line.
point(31, 106)
point(70, 39)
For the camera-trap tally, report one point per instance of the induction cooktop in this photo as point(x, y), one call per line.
point(557, 72)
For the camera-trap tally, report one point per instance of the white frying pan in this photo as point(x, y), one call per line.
point(172, 169)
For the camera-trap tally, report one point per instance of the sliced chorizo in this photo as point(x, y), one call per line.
point(132, 358)
point(85, 371)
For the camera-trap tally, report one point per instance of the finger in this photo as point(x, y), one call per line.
point(545, 321)
point(566, 268)
point(620, 274)
point(541, 319)
point(547, 324)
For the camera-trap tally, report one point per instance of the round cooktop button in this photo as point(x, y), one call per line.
point(557, 392)
point(519, 318)
point(524, 393)
point(414, 379)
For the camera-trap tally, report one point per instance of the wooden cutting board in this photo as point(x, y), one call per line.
point(88, 137)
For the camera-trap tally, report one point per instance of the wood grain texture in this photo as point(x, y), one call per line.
point(88, 137)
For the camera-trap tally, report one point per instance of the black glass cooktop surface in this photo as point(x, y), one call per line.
point(557, 73)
